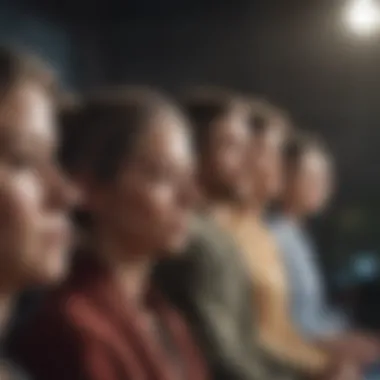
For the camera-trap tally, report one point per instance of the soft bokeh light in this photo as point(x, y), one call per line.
point(363, 16)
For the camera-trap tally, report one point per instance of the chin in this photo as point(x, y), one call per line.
point(177, 245)
point(55, 270)
point(275, 192)
point(51, 276)
point(46, 277)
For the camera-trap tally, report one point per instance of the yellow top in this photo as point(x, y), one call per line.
point(276, 331)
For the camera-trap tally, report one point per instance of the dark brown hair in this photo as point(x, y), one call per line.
point(17, 67)
point(204, 105)
point(264, 115)
point(99, 133)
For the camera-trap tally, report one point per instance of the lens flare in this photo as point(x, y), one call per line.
point(363, 17)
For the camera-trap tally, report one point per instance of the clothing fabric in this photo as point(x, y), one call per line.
point(311, 313)
point(8, 371)
point(87, 330)
point(209, 283)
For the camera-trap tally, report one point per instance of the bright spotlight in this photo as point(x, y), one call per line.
point(363, 16)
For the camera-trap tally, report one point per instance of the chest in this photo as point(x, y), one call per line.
point(303, 271)
point(138, 344)
point(261, 257)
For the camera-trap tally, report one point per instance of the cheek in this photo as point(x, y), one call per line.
point(311, 196)
point(261, 166)
point(271, 172)
point(156, 203)
point(321, 195)
point(230, 168)
point(228, 161)
point(20, 201)
point(142, 208)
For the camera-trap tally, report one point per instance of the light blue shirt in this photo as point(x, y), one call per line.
point(312, 315)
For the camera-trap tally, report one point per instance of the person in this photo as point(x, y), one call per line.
point(34, 196)
point(209, 281)
point(129, 152)
point(277, 335)
point(308, 187)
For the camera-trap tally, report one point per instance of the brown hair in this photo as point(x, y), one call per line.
point(17, 67)
point(99, 133)
point(204, 105)
point(264, 116)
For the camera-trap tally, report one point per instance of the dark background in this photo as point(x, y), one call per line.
point(295, 53)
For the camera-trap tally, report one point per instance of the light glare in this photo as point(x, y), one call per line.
point(364, 16)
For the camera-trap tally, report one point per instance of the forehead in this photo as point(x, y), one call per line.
point(27, 113)
point(273, 138)
point(233, 126)
point(315, 162)
point(166, 135)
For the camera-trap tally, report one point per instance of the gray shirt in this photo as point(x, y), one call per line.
point(311, 313)
point(209, 284)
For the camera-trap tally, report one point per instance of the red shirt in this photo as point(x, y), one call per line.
point(87, 330)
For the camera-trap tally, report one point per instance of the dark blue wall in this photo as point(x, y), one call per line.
point(38, 34)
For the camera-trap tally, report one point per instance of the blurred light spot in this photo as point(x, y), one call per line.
point(363, 16)
point(365, 266)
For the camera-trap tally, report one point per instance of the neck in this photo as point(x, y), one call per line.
point(131, 266)
point(6, 303)
point(292, 212)
point(227, 213)
point(134, 277)
point(258, 207)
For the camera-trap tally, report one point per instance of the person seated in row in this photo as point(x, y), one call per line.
point(210, 282)
point(309, 182)
point(129, 152)
point(278, 336)
point(34, 196)
point(248, 227)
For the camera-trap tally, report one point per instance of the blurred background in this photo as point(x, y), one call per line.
point(318, 58)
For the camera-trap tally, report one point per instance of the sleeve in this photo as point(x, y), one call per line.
point(280, 340)
point(325, 325)
point(279, 332)
point(323, 320)
point(199, 284)
point(57, 351)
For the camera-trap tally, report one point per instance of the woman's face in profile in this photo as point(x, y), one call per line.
point(34, 232)
point(267, 164)
point(313, 182)
point(226, 163)
point(149, 203)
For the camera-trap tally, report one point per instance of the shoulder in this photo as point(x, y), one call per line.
point(67, 339)
point(279, 224)
point(9, 371)
point(284, 232)
point(65, 323)
point(67, 307)
point(210, 241)
point(209, 258)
